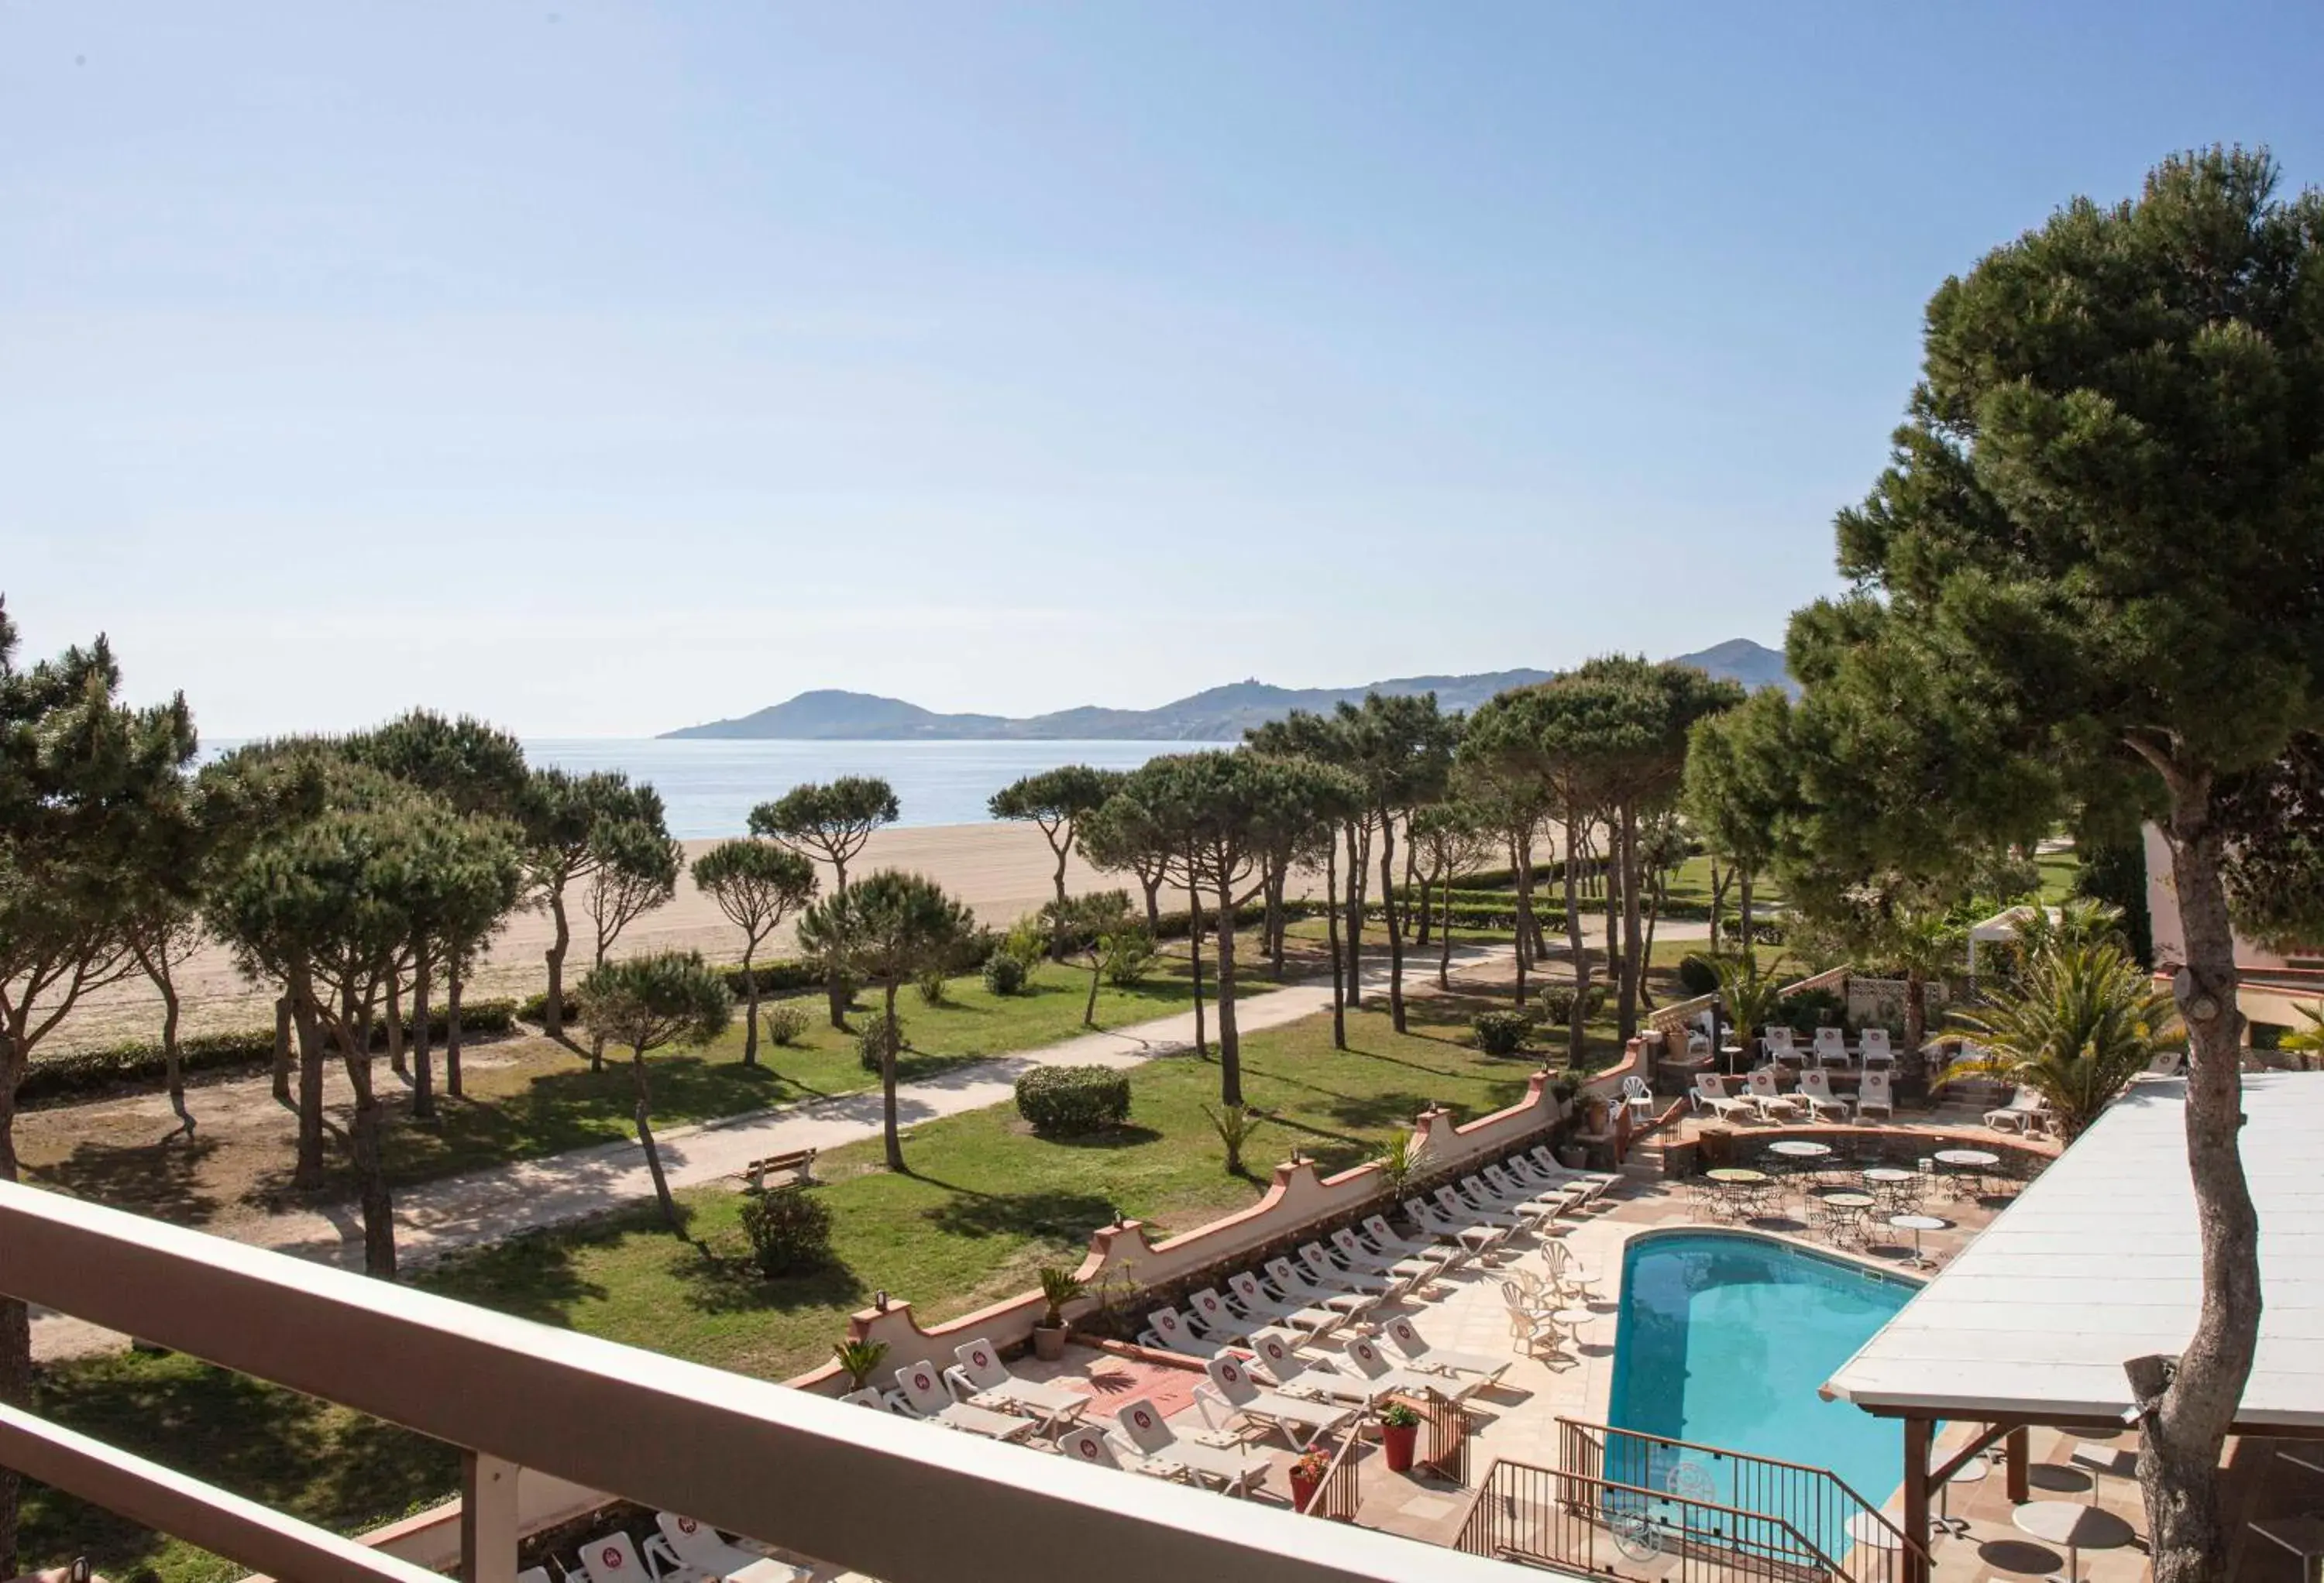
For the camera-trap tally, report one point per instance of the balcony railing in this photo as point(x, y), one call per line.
point(905, 1502)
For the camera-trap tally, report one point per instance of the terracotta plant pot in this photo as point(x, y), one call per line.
point(1048, 1342)
point(1399, 1441)
point(1303, 1489)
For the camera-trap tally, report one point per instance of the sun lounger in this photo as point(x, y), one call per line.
point(1778, 1044)
point(1320, 1268)
point(1383, 1237)
point(920, 1393)
point(1250, 1296)
point(1541, 1204)
point(1874, 1093)
point(1831, 1047)
point(2024, 1109)
point(1086, 1442)
point(1408, 1340)
point(984, 1381)
point(699, 1547)
point(1760, 1091)
point(1876, 1047)
point(1350, 1250)
point(1460, 1212)
point(1477, 1239)
point(1302, 1421)
point(1216, 1322)
point(1235, 1468)
point(1815, 1087)
point(1710, 1089)
point(1295, 1285)
point(1362, 1370)
point(1172, 1333)
point(869, 1397)
point(610, 1558)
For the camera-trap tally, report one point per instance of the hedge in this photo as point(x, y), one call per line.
point(141, 1060)
point(1065, 1101)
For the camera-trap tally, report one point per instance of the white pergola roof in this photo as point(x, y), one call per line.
point(2098, 1262)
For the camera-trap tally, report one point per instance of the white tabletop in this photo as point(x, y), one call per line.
point(1970, 1471)
point(1917, 1223)
point(1888, 1174)
point(1800, 1149)
point(1867, 1528)
point(2074, 1524)
point(1968, 1158)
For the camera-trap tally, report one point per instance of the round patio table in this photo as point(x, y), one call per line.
point(1965, 1163)
point(1866, 1528)
point(2073, 1524)
point(1848, 1217)
point(1800, 1149)
point(1738, 1188)
point(1969, 1472)
point(1729, 1053)
point(1916, 1224)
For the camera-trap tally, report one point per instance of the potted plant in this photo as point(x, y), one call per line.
point(1400, 1435)
point(859, 1358)
point(1308, 1477)
point(1058, 1287)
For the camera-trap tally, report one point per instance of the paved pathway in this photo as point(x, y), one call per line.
point(435, 1218)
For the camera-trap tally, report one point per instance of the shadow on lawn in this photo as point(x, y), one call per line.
point(533, 1275)
point(159, 1179)
point(326, 1466)
point(718, 1280)
point(1057, 1214)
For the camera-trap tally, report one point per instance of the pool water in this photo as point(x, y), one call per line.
point(1723, 1341)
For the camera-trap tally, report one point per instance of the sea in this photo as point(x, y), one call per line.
point(709, 787)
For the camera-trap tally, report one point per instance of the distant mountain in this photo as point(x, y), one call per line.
point(1217, 714)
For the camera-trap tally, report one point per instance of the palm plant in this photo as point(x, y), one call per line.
point(859, 1358)
point(1751, 996)
point(1234, 1124)
point(1059, 1287)
point(2080, 1022)
point(1923, 943)
point(2309, 1041)
point(1400, 1159)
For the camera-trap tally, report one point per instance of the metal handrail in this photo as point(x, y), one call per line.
point(1585, 1427)
point(1807, 1546)
point(1328, 1500)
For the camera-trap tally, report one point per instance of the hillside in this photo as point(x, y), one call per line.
point(1215, 714)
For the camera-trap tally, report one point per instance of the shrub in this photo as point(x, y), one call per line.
point(1698, 977)
point(1129, 957)
point(1003, 974)
point(1809, 1009)
point(139, 1063)
point(1557, 1005)
point(1500, 1032)
point(1061, 1102)
point(1026, 943)
point(790, 1229)
point(931, 986)
point(871, 1042)
point(785, 1021)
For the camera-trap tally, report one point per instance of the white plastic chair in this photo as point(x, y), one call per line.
point(1815, 1087)
point(1639, 1098)
point(1874, 1093)
point(2024, 1108)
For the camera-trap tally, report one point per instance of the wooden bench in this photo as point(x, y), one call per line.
point(798, 1163)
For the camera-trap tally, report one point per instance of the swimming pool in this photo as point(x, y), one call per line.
point(1723, 1338)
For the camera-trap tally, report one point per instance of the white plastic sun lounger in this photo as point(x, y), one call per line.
point(1235, 1468)
point(1404, 1339)
point(920, 1393)
point(1295, 1284)
point(699, 1547)
point(1172, 1333)
point(982, 1380)
point(1261, 1309)
point(1302, 1421)
point(1710, 1089)
point(1086, 1442)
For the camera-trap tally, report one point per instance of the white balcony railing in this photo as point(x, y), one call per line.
point(905, 1502)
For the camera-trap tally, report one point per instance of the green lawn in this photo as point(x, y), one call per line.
point(987, 1203)
point(546, 1101)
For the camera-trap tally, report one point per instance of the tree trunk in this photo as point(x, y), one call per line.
point(1634, 961)
point(172, 1057)
point(553, 1019)
point(395, 1057)
point(452, 987)
point(1577, 1036)
point(642, 1113)
point(1152, 885)
point(1655, 899)
point(1057, 935)
point(423, 1056)
point(1331, 931)
point(1743, 915)
point(1194, 955)
point(1230, 1048)
point(1445, 957)
point(1097, 968)
point(1916, 1011)
point(307, 1175)
point(1360, 851)
point(1272, 886)
point(895, 1145)
point(1411, 879)
point(368, 1139)
point(2181, 1437)
point(1388, 910)
point(283, 1049)
point(15, 1316)
point(749, 1002)
point(1519, 849)
point(1616, 968)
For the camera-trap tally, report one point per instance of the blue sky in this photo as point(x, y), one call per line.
point(602, 368)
